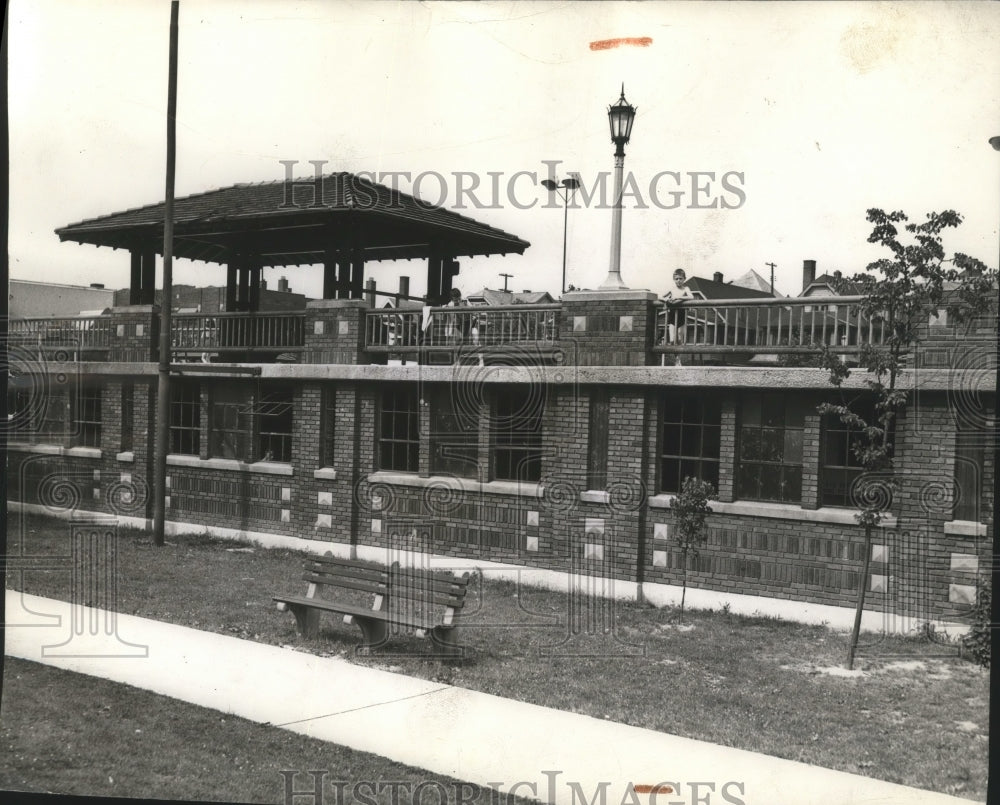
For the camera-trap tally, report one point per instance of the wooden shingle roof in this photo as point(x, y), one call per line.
point(294, 222)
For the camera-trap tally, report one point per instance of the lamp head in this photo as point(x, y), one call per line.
point(620, 117)
point(548, 184)
point(995, 142)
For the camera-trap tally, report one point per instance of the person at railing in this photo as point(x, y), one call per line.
point(456, 326)
point(675, 317)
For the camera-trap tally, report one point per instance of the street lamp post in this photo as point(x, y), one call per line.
point(620, 117)
point(569, 188)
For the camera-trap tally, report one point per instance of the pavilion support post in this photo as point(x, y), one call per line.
point(231, 286)
point(254, 270)
point(370, 292)
point(147, 283)
point(357, 274)
point(135, 278)
point(330, 274)
point(243, 292)
point(343, 275)
point(434, 289)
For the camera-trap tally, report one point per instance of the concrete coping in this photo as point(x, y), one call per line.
point(595, 496)
point(611, 295)
point(126, 457)
point(326, 304)
point(55, 450)
point(530, 490)
point(965, 528)
point(230, 464)
point(325, 474)
point(777, 511)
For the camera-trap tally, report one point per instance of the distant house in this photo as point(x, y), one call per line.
point(30, 299)
point(755, 282)
point(824, 284)
point(487, 296)
point(715, 288)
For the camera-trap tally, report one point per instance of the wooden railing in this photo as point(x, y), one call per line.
point(466, 325)
point(64, 338)
point(237, 332)
point(766, 326)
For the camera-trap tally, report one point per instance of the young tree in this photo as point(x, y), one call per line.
point(690, 509)
point(901, 293)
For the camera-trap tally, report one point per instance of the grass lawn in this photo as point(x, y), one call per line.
point(917, 715)
point(75, 734)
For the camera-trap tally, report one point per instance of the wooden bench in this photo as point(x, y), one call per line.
point(425, 601)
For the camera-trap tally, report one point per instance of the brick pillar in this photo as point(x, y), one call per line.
point(335, 331)
point(609, 328)
point(485, 417)
point(727, 452)
point(810, 461)
point(134, 330)
point(424, 424)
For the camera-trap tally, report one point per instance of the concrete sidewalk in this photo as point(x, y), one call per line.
point(446, 730)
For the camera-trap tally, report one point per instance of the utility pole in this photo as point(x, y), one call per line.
point(772, 277)
point(505, 276)
point(163, 377)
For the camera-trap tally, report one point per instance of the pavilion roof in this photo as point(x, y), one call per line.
point(295, 222)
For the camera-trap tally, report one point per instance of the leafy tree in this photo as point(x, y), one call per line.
point(690, 509)
point(901, 292)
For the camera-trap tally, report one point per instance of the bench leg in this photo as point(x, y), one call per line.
point(306, 620)
point(375, 632)
point(446, 641)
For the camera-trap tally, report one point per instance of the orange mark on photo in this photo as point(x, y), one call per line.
point(653, 789)
point(607, 44)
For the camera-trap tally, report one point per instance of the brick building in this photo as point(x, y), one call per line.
point(547, 447)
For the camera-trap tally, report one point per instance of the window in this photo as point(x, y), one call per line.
point(517, 434)
point(231, 423)
point(273, 425)
point(87, 417)
point(128, 415)
point(970, 453)
point(454, 433)
point(20, 418)
point(252, 423)
point(597, 445)
point(398, 434)
point(769, 463)
point(185, 417)
point(839, 464)
point(328, 416)
point(54, 418)
point(690, 433)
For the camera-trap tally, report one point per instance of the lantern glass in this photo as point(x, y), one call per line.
point(620, 118)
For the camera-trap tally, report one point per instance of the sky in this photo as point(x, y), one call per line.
point(815, 111)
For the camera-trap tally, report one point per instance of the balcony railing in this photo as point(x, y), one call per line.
point(467, 325)
point(752, 327)
point(221, 333)
point(67, 338)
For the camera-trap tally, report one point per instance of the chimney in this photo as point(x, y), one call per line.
point(283, 285)
point(526, 290)
point(717, 276)
point(98, 285)
point(404, 289)
point(837, 274)
point(370, 291)
point(808, 273)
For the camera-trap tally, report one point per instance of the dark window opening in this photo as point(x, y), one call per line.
point(399, 431)
point(597, 446)
point(690, 440)
point(454, 435)
point(770, 433)
point(185, 418)
point(517, 435)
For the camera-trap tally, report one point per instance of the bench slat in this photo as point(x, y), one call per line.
point(347, 583)
point(352, 573)
point(330, 606)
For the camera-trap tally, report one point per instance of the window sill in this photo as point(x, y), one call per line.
point(325, 474)
point(530, 490)
point(126, 457)
point(595, 496)
point(230, 464)
point(55, 450)
point(965, 528)
point(777, 511)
